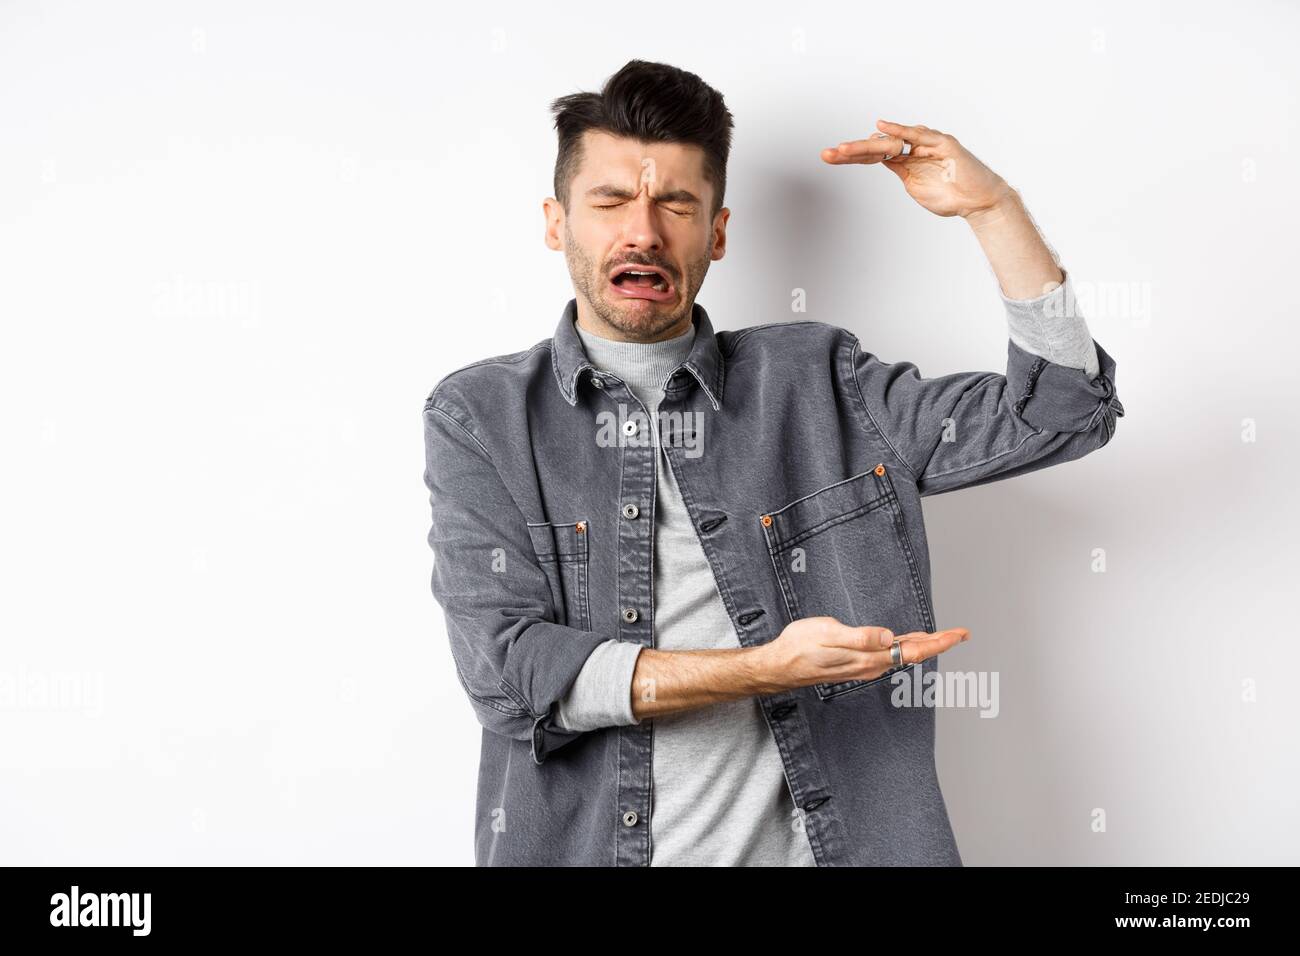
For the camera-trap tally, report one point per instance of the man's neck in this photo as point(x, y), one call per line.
point(640, 364)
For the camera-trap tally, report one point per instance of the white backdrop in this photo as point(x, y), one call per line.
point(238, 247)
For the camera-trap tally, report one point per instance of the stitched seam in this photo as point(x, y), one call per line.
point(719, 571)
point(555, 368)
point(699, 378)
point(832, 522)
point(489, 701)
point(1031, 380)
point(843, 481)
point(586, 595)
point(986, 461)
point(740, 335)
point(863, 401)
point(722, 371)
point(843, 687)
point(788, 591)
point(520, 699)
point(486, 701)
point(556, 557)
point(795, 775)
point(786, 596)
point(494, 360)
point(570, 394)
point(448, 416)
point(918, 588)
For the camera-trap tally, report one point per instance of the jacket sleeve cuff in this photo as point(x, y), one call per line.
point(1057, 398)
point(1052, 327)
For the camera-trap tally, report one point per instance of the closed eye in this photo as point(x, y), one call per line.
point(679, 212)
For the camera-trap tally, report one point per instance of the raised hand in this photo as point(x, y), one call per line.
point(940, 173)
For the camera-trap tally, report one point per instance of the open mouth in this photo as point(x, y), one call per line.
point(642, 282)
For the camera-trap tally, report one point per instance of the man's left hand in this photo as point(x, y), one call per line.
point(939, 173)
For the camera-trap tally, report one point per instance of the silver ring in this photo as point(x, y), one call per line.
point(896, 652)
point(907, 147)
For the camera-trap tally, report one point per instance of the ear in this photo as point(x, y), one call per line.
point(720, 232)
point(554, 216)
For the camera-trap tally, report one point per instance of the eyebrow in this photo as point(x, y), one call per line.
point(609, 191)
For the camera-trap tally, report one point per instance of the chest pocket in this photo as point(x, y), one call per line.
point(562, 553)
point(843, 551)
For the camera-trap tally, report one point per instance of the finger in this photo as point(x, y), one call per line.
point(923, 646)
point(920, 648)
point(871, 638)
point(871, 150)
point(863, 638)
point(916, 135)
point(920, 152)
point(870, 147)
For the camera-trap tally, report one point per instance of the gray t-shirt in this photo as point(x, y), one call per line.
point(718, 791)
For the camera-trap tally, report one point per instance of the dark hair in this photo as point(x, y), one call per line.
point(651, 102)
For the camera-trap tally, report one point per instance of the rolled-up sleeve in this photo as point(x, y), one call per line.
point(602, 694)
point(969, 428)
point(513, 661)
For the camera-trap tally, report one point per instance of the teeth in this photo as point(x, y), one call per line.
point(660, 283)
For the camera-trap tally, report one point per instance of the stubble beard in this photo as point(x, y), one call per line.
point(637, 323)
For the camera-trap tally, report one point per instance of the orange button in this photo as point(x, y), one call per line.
point(880, 469)
point(767, 521)
point(580, 527)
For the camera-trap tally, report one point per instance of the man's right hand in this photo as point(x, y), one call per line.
point(815, 650)
point(812, 650)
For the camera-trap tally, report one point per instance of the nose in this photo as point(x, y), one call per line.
point(641, 227)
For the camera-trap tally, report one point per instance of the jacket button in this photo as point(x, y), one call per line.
point(629, 427)
point(880, 469)
point(630, 818)
point(767, 521)
point(630, 511)
point(630, 615)
point(580, 527)
point(597, 383)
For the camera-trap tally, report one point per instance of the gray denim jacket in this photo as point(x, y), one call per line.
point(802, 460)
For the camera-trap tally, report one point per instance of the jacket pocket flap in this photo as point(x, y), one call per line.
point(559, 542)
point(826, 507)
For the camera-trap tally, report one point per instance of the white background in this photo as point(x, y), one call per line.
point(239, 242)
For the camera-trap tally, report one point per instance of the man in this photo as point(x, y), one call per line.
point(680, 567)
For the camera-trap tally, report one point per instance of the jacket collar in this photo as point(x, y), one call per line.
point(704, 361)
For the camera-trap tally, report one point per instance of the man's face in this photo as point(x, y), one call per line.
point(641, 206)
